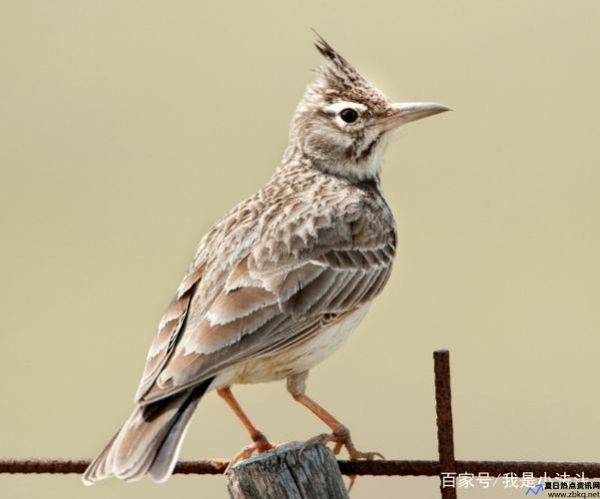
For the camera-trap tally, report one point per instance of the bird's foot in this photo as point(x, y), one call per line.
point(342, 438)
point(259, 445)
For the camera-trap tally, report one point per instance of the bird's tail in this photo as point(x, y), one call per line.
point(149, 441)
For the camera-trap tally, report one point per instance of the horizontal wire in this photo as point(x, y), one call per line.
point(373, 468)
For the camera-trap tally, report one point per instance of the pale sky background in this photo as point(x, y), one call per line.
point(127, 128)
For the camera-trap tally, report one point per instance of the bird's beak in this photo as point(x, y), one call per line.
point(406, 112)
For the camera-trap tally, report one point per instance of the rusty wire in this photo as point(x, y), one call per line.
point(372, 468)
point(445, 464)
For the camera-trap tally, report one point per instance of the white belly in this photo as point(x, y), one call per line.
point(297, 359)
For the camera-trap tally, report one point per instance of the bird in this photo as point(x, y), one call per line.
point(280, 282)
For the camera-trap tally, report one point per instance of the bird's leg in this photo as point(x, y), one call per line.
point(260, 443)
point(296, 385)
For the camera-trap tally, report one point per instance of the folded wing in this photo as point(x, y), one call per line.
point(268, 300)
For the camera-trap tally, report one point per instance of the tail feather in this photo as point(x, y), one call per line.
point(166, 456)
point(149, 441)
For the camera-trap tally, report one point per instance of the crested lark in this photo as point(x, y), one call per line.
point(280, 282)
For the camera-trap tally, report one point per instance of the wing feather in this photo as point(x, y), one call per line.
point(230, 306)
point(169, 328)
point(268, 284)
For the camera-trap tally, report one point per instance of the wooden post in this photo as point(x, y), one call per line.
point(294, 470)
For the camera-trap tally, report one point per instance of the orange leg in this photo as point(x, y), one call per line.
point(296, 385)
point(261, 444)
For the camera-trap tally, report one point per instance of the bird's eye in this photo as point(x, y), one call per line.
point(349, 115)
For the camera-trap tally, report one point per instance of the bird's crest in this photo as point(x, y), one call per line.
point(337, 70)
point(341, 80)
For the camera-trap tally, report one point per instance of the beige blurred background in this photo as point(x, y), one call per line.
point(128, 128)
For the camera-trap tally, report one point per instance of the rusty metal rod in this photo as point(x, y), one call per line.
point(443, 409)
point(373, 468)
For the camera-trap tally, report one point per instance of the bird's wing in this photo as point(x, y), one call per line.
point(171, 324)
point(280, 291)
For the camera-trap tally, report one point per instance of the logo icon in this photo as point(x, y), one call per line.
point(536, 491)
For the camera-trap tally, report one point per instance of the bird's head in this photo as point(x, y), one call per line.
point(343, 123)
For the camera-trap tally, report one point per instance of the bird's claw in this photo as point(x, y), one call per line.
point(368, 456)
point(323, 438)
point(341, 438)
point(260, 445)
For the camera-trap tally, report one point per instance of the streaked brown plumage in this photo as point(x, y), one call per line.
point(279, 282)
